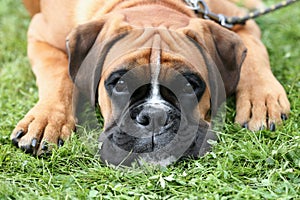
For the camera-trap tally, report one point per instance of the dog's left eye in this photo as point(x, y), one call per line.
point(121, 86)
point(195, 85)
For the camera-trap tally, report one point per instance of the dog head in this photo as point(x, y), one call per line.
point(158, 87)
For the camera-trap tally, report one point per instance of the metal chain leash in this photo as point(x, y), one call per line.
point(200, 7)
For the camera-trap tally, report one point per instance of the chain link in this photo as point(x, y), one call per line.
point(193, 4)
point(199, 6)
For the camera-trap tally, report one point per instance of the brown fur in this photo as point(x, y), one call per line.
point(250, 4)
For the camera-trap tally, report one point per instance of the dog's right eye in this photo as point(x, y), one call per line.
point(121, 86)
point(115, 83)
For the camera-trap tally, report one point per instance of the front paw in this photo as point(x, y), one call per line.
point(262, 105)
point(43, 126)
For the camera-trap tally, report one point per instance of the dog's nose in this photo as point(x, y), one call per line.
point(152, 118)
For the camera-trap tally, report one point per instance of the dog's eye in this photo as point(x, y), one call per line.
point(121, 86)
point(195, 85)
point(188, 89)
point(115, 83)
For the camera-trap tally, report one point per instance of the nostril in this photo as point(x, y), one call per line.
point(143, 120)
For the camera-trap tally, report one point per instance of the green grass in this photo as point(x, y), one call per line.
point(242, 165)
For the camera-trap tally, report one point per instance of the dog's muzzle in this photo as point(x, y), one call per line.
point(154, 134)
point(146, 127)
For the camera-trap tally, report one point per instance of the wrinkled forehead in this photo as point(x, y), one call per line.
point(157, 48)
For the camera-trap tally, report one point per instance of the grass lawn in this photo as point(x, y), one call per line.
point(242, 165)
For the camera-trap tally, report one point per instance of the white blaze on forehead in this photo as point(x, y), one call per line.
point(155, 63)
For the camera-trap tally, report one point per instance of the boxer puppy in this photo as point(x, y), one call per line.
point(157, 71)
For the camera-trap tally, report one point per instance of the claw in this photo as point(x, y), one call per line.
point(34, 142)
point(245, 125)
point(262, 128)
point(44, 146)
point(19, 134)
point(272, 127)
point(284, 117)
point(15, 140)
point(60, 143)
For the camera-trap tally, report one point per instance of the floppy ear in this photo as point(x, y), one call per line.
point(82, 38)
point(87, 46)
point(79, 42)
point(223, 46)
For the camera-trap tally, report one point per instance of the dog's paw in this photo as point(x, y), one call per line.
point(262, 105)
point(42, 127)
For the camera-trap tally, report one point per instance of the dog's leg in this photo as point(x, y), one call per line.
point(51, 120)
point(261, 101)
